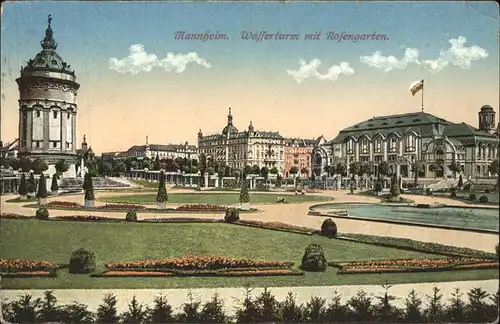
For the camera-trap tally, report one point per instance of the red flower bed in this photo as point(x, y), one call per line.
point(121, 206)
point(114, 273)
point(90, 218)
point(197, 263)
point(205, 207)
point(278, 226)
point(414, 264)
point(13, 216)
point(15, 265)
point(63, 204)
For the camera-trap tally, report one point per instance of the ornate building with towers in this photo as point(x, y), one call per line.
point(240, 148)
point(47, 107)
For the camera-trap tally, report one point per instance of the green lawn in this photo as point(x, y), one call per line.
point(54, 241)
point(225, 198)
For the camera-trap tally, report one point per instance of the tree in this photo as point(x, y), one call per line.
point(328, 170)
point(394, 186)
point(49, 311)
point(247, 169)
point(434, 312)
point(32, 183)
point(493, 167)
point(454, 167)
point(383, 168)
point(294, 170)
point(42, 187)
point(107, 313)
point(416, 167)
point(161, 312)
point(161, 196)
point(304, 171)
point(120, 167)
point(340, 169)
point(460, 182)
point(413, 310)
point(213, 311)
point(355, 168)
point(23, 188)
point(227, 171)
point(255, 169)
point(135, 313)
point(54, 187)
point(264, 172)
point(385, 311)
point(157, 163)
point(25, 164)
point(244, 196)
point(88, 187)
point(274, 170)
point(106, 168)
point(456, 311)
point(61, 166)
point(365, 168)
point(39, 166)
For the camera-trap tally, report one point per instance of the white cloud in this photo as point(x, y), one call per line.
point(456, 55)
point(310, 70)
point(139, 60)
point(388, 63)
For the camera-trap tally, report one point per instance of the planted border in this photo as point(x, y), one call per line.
point(277, 226)
point(27, 268)
point(413, 265)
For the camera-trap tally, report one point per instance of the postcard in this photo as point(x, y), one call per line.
point(246, 162)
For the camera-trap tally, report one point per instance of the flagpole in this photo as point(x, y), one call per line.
point(423, 95)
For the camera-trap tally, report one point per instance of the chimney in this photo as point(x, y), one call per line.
point(147, 140)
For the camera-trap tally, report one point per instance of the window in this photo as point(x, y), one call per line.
point(69, 115)
point(378, 145)
point(410, 143)
point(38, 113)
point(350, 146)
point(393, 142)
point(364, 145)
point(55, 114)
point(54, 144)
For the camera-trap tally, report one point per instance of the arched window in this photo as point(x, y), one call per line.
point(378, 144)
point(350, 146)
point(318, 159)
point(393, 144)
point(364, 145)
point(410, 143)
point(55, 114)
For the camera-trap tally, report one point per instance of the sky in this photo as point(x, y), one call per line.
point(137, 80)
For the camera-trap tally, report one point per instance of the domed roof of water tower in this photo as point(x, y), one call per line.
point(48, 59)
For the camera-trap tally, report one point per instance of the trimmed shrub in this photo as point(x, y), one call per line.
point(82, 261)
point(314, 259)
point(483, 199)
point(23, 187)
point(232, 215)
point(244, 196)
point(88, 186)
point(497, 250)
point(472, 197)
point(42, 213)
point(54, 187)
point(161, 196)
point(329, 228)
point(32, 183)
point(131, 216)
point(428, 192)
point(453, 193)
point(42, 187)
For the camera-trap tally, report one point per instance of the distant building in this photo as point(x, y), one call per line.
point(47, 107)
point(168, 151)
point(239, 148)
point(9, 150)
point(406, 138)
point(298, 153)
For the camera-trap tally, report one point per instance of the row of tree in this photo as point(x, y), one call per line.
point(38, 166)
point(29, 186)
point(480, 307)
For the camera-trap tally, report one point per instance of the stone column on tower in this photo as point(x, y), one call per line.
point(46, 134)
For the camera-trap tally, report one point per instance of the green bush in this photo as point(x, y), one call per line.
point(497, 251)
point(232, 215)
point(82, 261)
point(88, 186)
point(23, 187)
point(161, 195)
point(314, 259)
point(483, 199)
point(131, 216)
point(32, 183)
point(244, 196)
point(453, 193)
point(329, 228)
point(42, 187)
point(54, 187)
point(472, 197)
point(42, 213)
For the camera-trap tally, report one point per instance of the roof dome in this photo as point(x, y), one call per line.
point(486, 107)
point(48, 58)
point(229, 128)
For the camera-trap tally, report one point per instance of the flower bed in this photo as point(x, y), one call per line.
point(87, 218)
point(408, 265)
point(201, 207)
point(196, 263)
point(217, 273)
point(182, 220)
point(63, 204)
point(277, 226)
point(16, 266)
point(27, 274)
point(13, 216)
point(419, 246)
point(121, 207)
